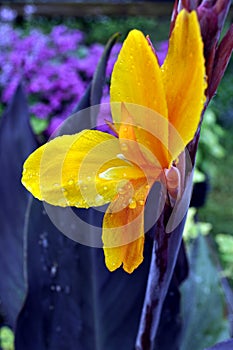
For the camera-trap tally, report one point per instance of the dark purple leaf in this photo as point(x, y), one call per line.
point(222, 57)
point(170, 326)
point(99, 77)
point(164, 256)
point(226, 345)
point(73, 301)
point(212, 15)
point(16, 142)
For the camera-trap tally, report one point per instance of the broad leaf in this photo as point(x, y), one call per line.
point(171, 322)
point(202, 301)
point(73, 301)
point(16, 143)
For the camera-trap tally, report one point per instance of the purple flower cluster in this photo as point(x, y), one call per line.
point(55, 68)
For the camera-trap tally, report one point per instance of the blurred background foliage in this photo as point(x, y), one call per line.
point(214, 159)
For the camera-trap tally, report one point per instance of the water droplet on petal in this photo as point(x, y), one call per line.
point(99, 199)
point(124, 147)
point(132, 204)
point(121, 189)
point(141, 202)
point(88, 178)
point(105, 188)
point(70, 182)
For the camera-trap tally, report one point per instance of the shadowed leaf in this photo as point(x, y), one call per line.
point(203, 305)
point(16, 143)
point(73, 301)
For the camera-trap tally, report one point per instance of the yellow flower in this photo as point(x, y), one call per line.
point(156, 111)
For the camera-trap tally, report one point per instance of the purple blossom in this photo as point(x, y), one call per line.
point(29, 10)
point(7, 14)
point(41, 110)
point(66, 39)
point(55, 68)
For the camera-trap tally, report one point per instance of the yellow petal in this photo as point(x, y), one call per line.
point(184, 79)
point(136, 77)
point(66, 170)
point(123, 229)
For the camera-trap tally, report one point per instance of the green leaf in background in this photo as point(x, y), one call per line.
point(38, 125)
point(202, 301)
point(16, 143)
point(6, 338)
point(225, 244)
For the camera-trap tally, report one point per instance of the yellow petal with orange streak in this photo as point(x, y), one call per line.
point(136, 77)
point(123, 229)
point(184, 80)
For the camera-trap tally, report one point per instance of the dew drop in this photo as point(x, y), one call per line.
point(88, 178)
point(70, 182)
point(64, 190)
point(58, 288)
point(105, 188)
point(124, 147)
point(53, 271)
point(141, 202)
point(121, 189)
point(132, 204)
point(99, 199)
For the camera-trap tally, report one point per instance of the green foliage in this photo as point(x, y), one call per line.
point(193, 228)
point(210, 147)
point(38, 125)
point(225, 244)
point(6, 338)
point(100, 29)
point(202, 300)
